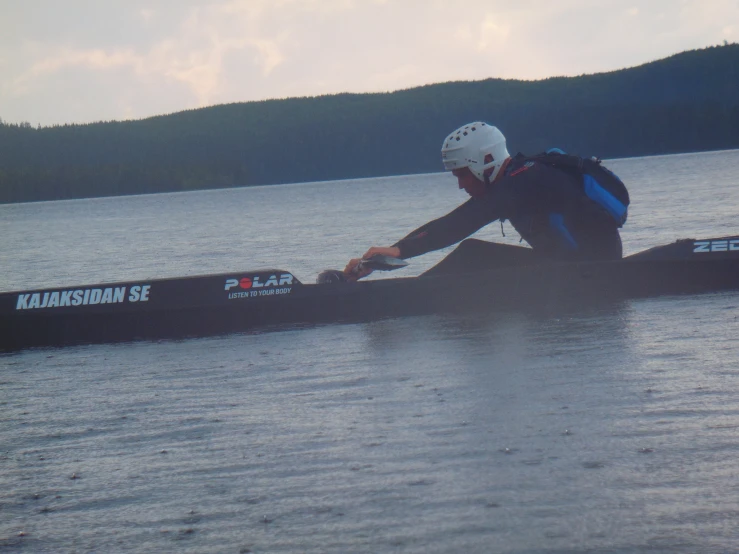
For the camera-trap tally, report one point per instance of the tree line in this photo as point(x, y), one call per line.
point(687, 102)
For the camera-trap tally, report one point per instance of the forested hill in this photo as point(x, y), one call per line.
point(688, 102)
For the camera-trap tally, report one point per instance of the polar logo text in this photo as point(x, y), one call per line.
point(726, 245)
point(255, 281)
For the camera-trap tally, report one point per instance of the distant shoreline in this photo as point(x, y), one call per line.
point(686, 103)
point(331, 181)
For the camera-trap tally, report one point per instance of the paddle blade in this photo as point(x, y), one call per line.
point(383, 263)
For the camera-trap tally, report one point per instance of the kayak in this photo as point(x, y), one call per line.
point(243, 301)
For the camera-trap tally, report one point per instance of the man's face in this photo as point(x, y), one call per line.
point(467, 181)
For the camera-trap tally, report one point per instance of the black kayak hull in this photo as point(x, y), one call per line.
point(221, 304)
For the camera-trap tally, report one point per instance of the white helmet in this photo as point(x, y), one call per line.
point(468, 146)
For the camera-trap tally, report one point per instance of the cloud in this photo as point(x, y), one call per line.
point(493, 31)
point(146, 14)
point(270, 55)
point(178, 54)
point(67, 57)
point(193, 57)
point(289, 9)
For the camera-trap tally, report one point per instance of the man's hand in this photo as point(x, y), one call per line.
point(353, 271)
point(392, 251)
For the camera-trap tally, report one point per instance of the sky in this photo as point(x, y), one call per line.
point(79, 61)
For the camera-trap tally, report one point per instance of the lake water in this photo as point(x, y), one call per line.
point(614, 430)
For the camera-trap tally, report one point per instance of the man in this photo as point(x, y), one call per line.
point(564, 207)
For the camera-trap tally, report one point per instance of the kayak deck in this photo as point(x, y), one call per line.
point(226, 303)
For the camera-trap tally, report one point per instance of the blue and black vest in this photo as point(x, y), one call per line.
point(599, 183)
point(605, 202)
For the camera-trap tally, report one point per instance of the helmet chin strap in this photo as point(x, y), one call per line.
point(486, 173)
point(500, 170)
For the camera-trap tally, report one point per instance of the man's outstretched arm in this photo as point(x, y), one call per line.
point(434, 235)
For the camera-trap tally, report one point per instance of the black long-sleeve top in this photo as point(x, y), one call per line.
point(527, 195)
